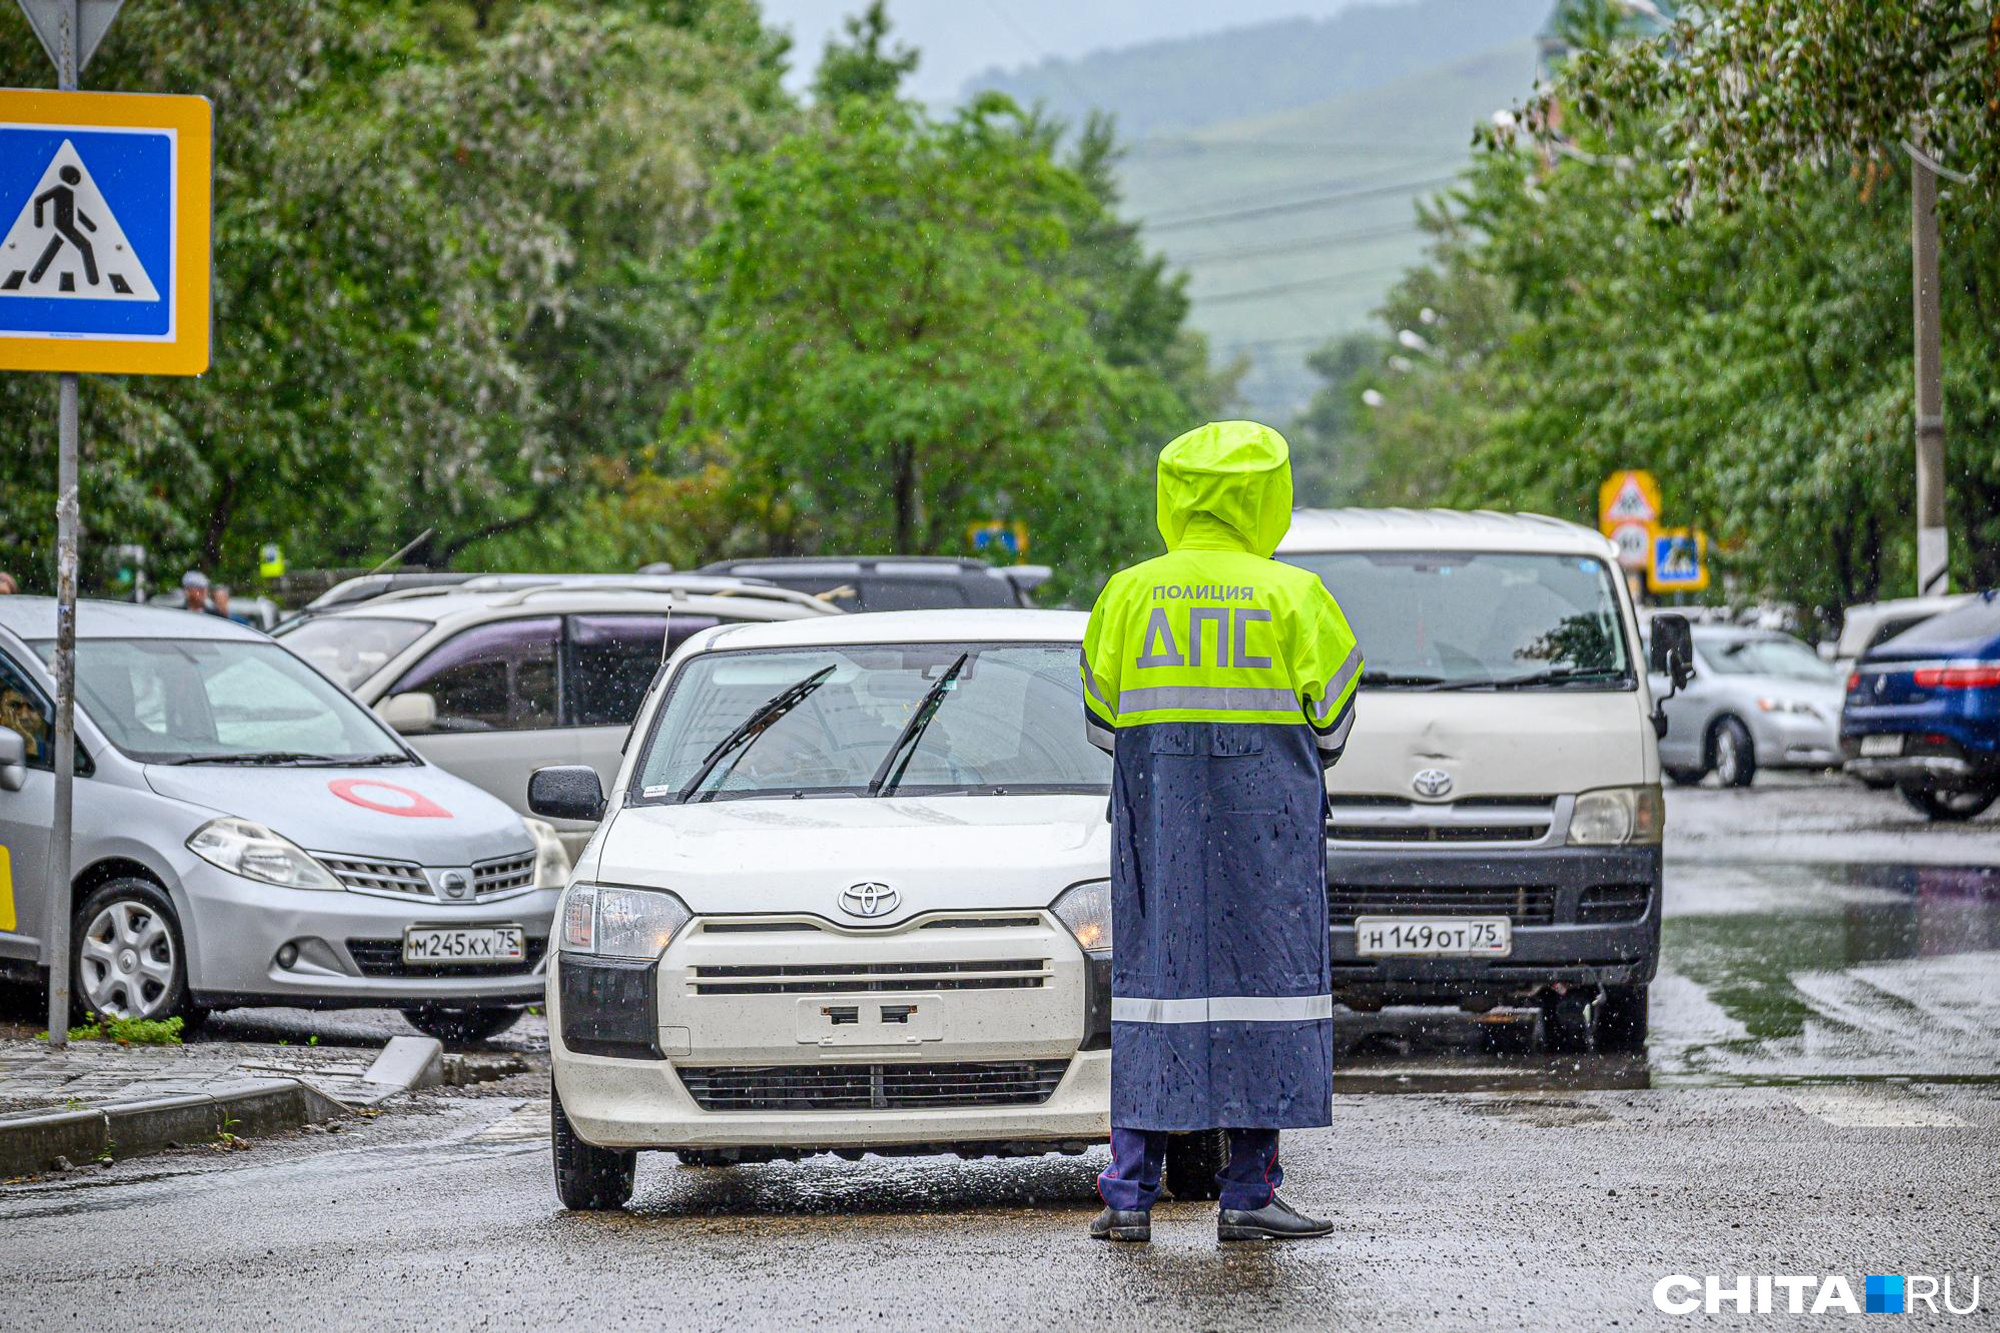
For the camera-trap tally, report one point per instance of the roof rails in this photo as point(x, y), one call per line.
point(672, 586)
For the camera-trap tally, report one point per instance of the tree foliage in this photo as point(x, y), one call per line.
point(1756, 359)
point(1751, 96)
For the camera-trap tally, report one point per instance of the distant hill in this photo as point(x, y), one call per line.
point(1191, 82)
point(1294, 225)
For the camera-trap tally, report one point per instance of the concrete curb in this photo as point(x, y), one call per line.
point(33, 1143)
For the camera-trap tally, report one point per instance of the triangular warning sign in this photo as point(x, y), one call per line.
point(1631, 503)
point(66, 243)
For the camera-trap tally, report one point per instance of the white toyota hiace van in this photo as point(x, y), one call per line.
point(1493, 830)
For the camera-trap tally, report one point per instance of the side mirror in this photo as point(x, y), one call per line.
point(411, 714)
point(13, 760)
point(566, 791)
point(1673, 648)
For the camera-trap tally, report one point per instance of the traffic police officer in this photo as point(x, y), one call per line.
point(1223, 684)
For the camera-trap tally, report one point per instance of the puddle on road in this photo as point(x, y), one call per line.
point(1894, 972)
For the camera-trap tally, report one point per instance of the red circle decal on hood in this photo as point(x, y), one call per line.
point(387, 798)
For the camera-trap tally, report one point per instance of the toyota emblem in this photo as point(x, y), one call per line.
point(1432, 783)
point(870, 899)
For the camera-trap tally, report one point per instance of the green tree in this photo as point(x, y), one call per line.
point(865, 65)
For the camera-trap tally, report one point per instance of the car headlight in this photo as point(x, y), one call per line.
point(613, 921)
point(551, 860)
point(1617, 816)
point(1787, 706)
point(254, 852)
point(1086, 910)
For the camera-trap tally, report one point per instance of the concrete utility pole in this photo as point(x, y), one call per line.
point(1933, 550)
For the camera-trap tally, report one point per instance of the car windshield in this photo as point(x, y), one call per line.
point(350, 648)
point(1763, 657)
point(222, 701)
point(874, 719)
point(1476, 619)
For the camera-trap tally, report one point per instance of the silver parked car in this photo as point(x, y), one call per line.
point(1758, 699)
point(247, 833)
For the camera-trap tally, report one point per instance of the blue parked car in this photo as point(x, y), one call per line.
point(1923, 712)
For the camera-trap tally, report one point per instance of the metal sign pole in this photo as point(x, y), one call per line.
point(56, 930)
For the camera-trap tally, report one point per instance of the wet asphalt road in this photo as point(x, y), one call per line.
point(1821, 1095)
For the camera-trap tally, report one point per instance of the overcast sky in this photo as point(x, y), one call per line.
point(961, 38)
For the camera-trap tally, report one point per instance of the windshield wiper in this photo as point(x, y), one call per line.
point(752, 727)
point(262, 757)
point(884, 782)
point(1399, 678)
point(1553, 676)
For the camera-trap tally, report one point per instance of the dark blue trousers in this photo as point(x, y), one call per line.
point(1138, 1156)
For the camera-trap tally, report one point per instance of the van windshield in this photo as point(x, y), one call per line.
point(1453, 620)
point(873, 720)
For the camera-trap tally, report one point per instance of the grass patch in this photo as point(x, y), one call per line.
point(126, 1031)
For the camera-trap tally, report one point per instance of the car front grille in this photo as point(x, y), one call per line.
point(1604, 904)
point(872, 1087)
point(844, 978)
point(384, 958)
point(490, 879)
point(1524, 905)
point(1473, 819)
point(509, 876)
point(378, 876)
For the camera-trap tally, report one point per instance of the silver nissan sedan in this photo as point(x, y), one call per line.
point(248, 834)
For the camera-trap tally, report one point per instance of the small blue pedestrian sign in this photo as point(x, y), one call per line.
point(1680, 561)
point(104, 232)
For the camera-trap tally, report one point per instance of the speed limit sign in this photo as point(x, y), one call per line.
point(1635, 544)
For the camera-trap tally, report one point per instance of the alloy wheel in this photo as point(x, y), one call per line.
point(127, 958)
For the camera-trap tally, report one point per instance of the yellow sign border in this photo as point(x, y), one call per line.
point(192, 120)
point(1699, 583)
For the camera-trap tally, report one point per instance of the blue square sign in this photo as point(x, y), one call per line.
point(104, 232)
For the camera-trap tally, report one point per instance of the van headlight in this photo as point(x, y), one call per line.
point(1086, 910)
point(255, 852)
point(1617, 817)
point(614, 921)
point(551, 860)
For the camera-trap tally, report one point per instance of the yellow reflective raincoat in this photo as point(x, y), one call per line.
point(1223, 682)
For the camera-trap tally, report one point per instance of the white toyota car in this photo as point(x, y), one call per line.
point(849, 894)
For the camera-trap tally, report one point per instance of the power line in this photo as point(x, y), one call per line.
point(1323, 201)
point(1297, 244)
point(1361, 277)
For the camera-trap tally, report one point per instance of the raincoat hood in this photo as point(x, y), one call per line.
point(1226, 486)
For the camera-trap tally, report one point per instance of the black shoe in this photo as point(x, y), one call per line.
point(1122, 1224)
point(1274, 1221)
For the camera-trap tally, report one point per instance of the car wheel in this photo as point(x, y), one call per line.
point(1686, 777)
point(1194, 1160)
point(588, 1178)
point(1566, 1023)
point(127, 959)
point(1950, 806)
point(1732, 753)
point(1623, 1015)
point(457, 1026)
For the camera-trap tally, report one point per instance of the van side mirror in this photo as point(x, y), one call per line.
point(412, 714)
point(566, 791)
point(1673, 648)
point(13, 760)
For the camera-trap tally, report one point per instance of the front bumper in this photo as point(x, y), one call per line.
point(1795, 740)
point(637, 1048)
point(1562, 944)
point(234, 928)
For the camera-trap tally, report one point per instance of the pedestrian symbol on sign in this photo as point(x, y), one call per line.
point(1680, 562)
point(66, 242)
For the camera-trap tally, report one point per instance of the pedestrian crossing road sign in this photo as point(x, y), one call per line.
point(104, 260)
point(1680, 561)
